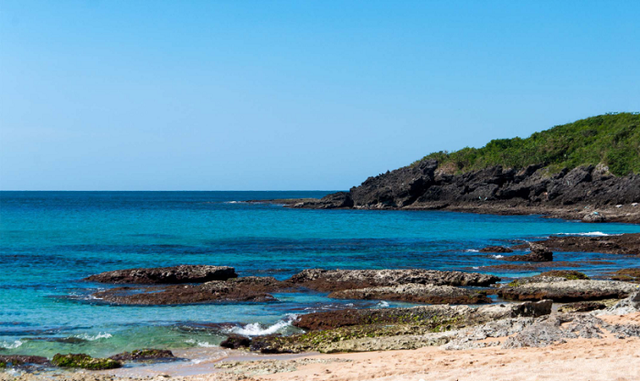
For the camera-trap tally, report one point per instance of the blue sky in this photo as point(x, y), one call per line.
point(270, 95)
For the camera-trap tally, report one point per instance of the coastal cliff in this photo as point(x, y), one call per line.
point(585, 170)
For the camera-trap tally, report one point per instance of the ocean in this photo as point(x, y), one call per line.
point(49, 241)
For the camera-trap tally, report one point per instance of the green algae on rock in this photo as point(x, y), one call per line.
point(84, 361)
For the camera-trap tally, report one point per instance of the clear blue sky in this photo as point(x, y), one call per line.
point(266, 95)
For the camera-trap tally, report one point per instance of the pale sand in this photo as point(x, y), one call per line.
point(579, 359)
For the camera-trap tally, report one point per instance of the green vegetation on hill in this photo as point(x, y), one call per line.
point(612, 139)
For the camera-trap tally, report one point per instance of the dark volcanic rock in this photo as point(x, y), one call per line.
point(236, 341)
point(395, 189)
point(336, 280)
point(145, 355)
point(166, 275)
point(416, 293)
point(461, 315)
point(561, 290)
point(23, 361)
point(539, 253)
point(246, 289)
point(493, 190)
point(628, 244)
point(496, 249)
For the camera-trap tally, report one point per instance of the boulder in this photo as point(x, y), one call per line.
point(236, 341)
point(145, 355)
point(539, 253)
point(166, 275)
point(84, 361)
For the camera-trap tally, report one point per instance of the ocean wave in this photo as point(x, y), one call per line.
point(382, 304)
point(497, 256)
point(98, 336)
point(235, 202)
point(589, 234)
point(472, 251)
point(8, 345)
point(203, 344)
point(257, 329)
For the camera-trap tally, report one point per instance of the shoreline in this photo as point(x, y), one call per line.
point(612, 214)
point(605, 358)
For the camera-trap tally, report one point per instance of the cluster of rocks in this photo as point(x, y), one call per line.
point(425, 185)
point(412, 285)
point(84, 361)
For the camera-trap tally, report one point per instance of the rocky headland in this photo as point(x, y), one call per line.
point(588, 170)
point(589, 193)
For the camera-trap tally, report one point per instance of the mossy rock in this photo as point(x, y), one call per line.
point(84, 361)
point(3, 365)
point(145, 355)
point(629, 275)
point(567, 274)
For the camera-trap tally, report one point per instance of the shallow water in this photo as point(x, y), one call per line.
point(51, 240)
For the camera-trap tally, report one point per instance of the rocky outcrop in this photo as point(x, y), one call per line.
point(380, 329)
point(416, 293)
point(166, 275)
point(426, 186)
point(628, 275)
point(396, 189)
point(539, 253)
point(562, 290)
point(496, 249)
point(627, 244)
point(246, 289)
point(234, 341)
point(84, 361)
point(23, 362)
point(145, 355)
point(419, 315)
point(337, 280)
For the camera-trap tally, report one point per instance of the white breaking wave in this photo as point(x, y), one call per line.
point(383, 304)
point(589, 234)
point(498, 256)
point(256, 329)
point(98, 336)
point(13, 345)
point(472, 251)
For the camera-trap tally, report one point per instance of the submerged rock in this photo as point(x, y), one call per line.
point(629, 275)
point(337, 280)
point(539, 253)
point(496, 249)
point(22, 361)
point(166, 275)
point(247, 289)
point(234, 341)
point(562, 290)
point(416, 293)
point(145, 355)
point(84, 361)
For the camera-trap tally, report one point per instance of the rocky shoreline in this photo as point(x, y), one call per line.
point(589, 194)
point(461, 311)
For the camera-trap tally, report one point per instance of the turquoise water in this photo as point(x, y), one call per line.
point(51, 240)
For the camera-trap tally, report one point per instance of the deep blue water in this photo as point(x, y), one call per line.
point(51, 240)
